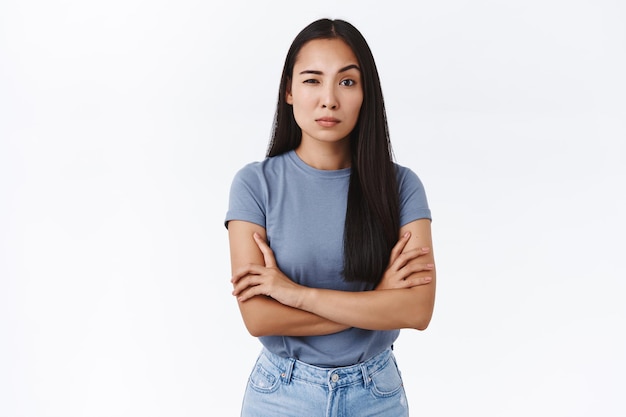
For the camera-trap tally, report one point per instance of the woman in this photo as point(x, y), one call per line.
point(330, 240)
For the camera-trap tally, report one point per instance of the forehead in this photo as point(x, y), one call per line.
point(325, 53)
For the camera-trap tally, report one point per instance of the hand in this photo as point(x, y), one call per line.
point(265, 279)
point(403, 266)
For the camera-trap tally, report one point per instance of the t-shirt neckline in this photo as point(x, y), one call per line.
point(320, 173)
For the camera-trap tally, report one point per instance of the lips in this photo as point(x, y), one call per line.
point(327, 121)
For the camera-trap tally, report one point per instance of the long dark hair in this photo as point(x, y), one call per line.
point(372, 215)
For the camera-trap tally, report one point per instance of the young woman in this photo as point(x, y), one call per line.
point(330, 240)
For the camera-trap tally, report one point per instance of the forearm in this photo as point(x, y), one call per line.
point(373, 310)
point(295, 310)
point(264, 316)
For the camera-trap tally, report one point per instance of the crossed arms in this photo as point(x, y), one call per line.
point(272, 304)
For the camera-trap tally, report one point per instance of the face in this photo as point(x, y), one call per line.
point(326, 91)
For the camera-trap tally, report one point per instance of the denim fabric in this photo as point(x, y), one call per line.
point(280, 387)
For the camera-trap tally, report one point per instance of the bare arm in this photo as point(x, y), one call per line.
point(376, 310)
point(264, 316)
point(381, 310)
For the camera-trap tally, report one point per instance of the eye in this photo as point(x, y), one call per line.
point(347, 83)
point(310, 81)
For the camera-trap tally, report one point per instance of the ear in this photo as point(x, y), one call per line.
point(288, 95)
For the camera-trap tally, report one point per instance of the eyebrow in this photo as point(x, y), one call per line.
point(344, 69)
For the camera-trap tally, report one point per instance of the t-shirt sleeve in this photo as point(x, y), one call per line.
point(247, 196)
point(413, 202)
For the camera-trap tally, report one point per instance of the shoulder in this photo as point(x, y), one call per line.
point(261, 171)
point(407, 178)
point(251, 188)
point(249, 172)
point(413, 201)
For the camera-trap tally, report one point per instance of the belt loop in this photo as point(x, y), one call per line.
point(286, 374)
point(366, 377)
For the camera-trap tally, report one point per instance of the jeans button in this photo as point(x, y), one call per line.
point(334, 378)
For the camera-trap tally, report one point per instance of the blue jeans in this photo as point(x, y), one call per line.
point(280, 387)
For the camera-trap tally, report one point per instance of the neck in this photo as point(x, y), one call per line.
point(325, 156)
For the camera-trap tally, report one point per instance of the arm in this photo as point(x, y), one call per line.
point(382, 310)
point(409, 307)
point(264, 316)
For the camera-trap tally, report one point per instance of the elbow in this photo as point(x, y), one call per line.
point(417, 322)
point(421, 319)
point(421, 311)
point(421, 324)
point(252, 330)
point(253, 317)
point(257, 332)
point(255, 328)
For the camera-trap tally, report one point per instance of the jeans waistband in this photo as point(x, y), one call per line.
point(331, 377)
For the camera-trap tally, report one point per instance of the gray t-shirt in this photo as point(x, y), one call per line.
point(303, 212)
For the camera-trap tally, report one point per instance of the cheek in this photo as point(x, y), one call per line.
point(355, 106)
point(301, 95)
point(301, 102)
point(300, 112)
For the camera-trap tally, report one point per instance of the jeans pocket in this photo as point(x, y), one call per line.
point(386, 381)
point(263, 380)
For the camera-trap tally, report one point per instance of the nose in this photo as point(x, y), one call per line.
point(329, 98)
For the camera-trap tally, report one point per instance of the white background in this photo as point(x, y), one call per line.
point(123, 122)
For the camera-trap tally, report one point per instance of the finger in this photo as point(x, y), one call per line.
point(410, 255)
point(411, 269)
point(415, 266)
point(416, 270)
point(417, 281)
point(405, 257)
point(399, 247)
point(268, 254)
point(257, 286)
point(250, 292)
point(246, 282)
point(250, 269)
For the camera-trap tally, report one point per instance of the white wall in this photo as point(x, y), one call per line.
point(123, 122)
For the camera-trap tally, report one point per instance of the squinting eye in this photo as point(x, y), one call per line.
point(347, 83)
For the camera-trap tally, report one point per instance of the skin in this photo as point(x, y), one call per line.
point(326, 96)
point(325, 84)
